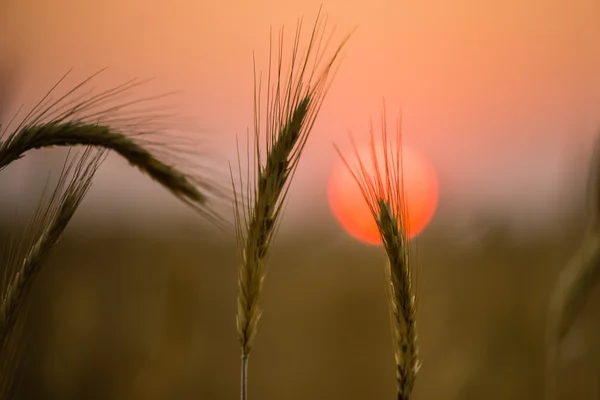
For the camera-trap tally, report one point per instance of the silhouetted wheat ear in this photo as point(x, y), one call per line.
point(575, 281)
point(106, 120)
point(25, 262)
point(384, 193)
point(293, 103)
point(77, 133)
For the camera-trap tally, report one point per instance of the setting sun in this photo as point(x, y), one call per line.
point(351, 210)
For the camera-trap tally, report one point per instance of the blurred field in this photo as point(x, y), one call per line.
point(128, 314)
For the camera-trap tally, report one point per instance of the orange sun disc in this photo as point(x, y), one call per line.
point(351, 210)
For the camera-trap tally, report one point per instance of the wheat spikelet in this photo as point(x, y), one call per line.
point(78, 133)
point(384, 193)
point(106, 120)
point(575, 281)
point(22, 266)
point(293, 102)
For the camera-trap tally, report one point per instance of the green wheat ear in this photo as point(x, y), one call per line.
point(100, 122)
point(22, 263)
point(110, 120)
point(293, 102)
point(383, 191)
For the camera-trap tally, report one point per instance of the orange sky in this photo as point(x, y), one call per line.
point(495, 92)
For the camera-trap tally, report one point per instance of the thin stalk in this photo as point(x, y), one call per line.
point(382, 187)
point(294, 99)
point(244, 377)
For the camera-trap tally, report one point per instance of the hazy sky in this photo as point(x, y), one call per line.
point(503, 96)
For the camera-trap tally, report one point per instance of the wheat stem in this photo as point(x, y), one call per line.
point(244, 377)
point(44, 232)
point(293, 102)
point(383, 191)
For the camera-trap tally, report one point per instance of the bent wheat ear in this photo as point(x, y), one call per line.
point(383, 191)
point(44, 231)
point(575, 281)
point(293, 103)
point(107, 121)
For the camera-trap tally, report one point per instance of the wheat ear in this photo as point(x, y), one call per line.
point(575, 282)
point(384, 193)
point(44, 231)
point(109, 121)
point(293, 102)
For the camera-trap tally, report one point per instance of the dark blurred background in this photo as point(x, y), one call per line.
point(130, 313)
